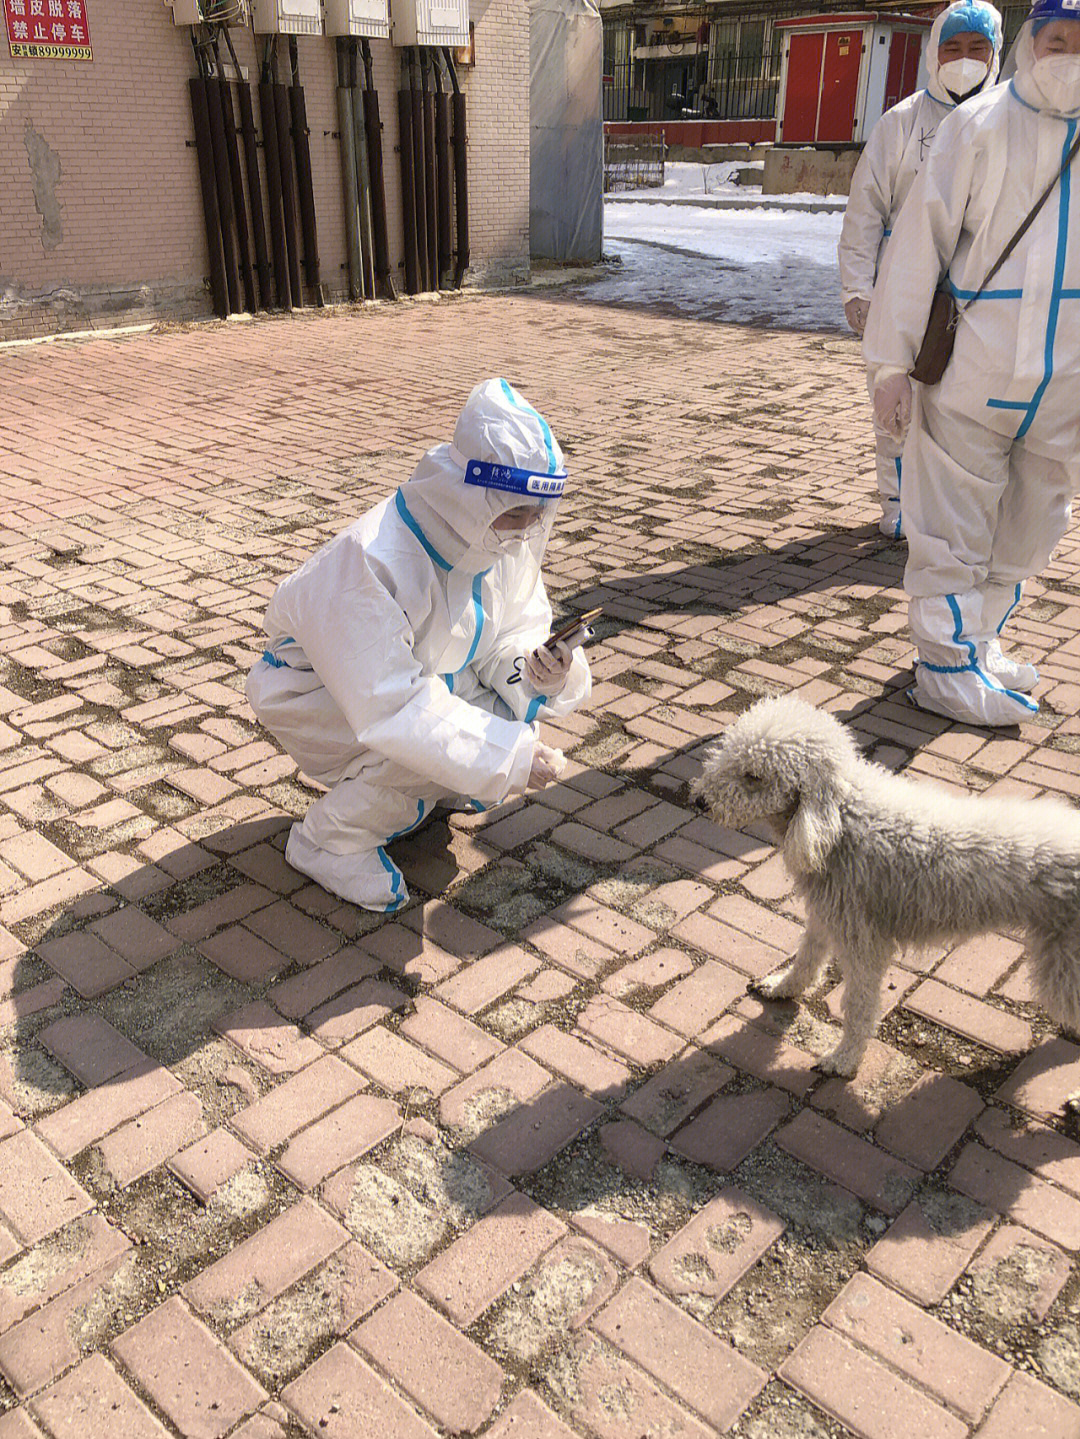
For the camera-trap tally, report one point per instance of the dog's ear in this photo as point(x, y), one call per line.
point(815, 826)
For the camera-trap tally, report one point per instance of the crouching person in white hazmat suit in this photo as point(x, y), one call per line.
point(406, 663)
point(993, 455)
point(962, 58)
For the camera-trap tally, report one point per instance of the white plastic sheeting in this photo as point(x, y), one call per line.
point(566, 199)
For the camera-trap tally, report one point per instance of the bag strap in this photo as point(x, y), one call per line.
point(1011, 246)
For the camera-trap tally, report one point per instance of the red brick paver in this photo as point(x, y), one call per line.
point(864, 1394)
point(705, 1373)
point(340, 1174)
point(1032, 1409)
point(1004, 1186)
point(453, 1380)
point(885, 1183)
point(928, 1247)
point(93, 1402)
point(263, 1266)
point(188, 1373)
point(340, 1396)
point(489, 1257)
point(717, 1247)
point(952, 1368)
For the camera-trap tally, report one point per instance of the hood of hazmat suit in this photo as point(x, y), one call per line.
point(416, 619)
point(897, 146)
point(1051, 82)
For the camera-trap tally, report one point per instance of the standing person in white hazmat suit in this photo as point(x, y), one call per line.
point(963, 53)
point(993, 455)
point(406, 663)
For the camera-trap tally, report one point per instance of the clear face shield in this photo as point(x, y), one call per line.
point(523, 504)
point(1044, 62)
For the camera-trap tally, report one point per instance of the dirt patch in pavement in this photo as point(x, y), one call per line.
point(779, 1413)
point(171, 1008)
point(387, 1218)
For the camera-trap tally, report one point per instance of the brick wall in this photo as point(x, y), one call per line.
point(101, 220)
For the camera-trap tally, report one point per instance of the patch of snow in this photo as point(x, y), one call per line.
point(775, 267)
point(686, 180)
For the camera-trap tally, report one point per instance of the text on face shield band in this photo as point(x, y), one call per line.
point(519, 482)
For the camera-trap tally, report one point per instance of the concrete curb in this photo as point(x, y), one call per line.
point(730, 202)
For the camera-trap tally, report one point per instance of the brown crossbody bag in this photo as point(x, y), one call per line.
point(937, 346)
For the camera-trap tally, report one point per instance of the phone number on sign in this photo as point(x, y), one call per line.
point(51, 52)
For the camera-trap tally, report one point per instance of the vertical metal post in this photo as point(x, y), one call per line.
point(348, 177)
point(201, 119)
point(373, 126)
point(255, 198)
point(272, 158)
point(236, 178)
point(224, 194)
point(408, 190)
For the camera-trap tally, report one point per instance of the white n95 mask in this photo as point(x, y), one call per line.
point(1057, 80)
point(960, 77)
point(502, 542)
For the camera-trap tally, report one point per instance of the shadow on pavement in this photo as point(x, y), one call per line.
point(220, 973)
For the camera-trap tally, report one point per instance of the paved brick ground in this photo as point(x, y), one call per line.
point(528, 1160)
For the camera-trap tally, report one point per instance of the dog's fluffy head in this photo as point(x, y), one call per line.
point(786, 762)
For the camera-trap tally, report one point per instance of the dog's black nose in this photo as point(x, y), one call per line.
point(701, 803)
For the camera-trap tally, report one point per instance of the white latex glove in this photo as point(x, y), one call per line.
point(547, 669)
point(548, 764)
point(855, 312)
point(892, 404)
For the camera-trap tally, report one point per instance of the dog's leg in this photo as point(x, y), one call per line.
point(1057, 977)
point(1057, 983)
point(804, 968)
point(863, 975)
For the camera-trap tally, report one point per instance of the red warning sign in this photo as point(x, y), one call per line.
point(48, 29)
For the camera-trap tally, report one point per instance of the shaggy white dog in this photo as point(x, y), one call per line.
point(883, 862)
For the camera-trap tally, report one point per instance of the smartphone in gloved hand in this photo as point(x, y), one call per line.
point(579, 622)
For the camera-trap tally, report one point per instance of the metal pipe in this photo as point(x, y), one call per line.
point(272, 158)
point(305, 188)
point(461, 174)
point(363, 177)
point(373, 126)
point(408, 191)
point(444, 178)
point(348, 179)
point(419, 180)
point(255, 198)
point(223, 185)
point(288, 191)
point(236, 174)
point(236, 177)
point(431, 203)
point(201, 119)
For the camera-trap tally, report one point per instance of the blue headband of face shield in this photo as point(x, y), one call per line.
point(534, 484)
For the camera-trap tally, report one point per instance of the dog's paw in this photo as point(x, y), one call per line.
point(778, 985)
point(842, 1061)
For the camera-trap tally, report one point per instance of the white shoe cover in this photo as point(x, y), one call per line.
point(891, 524)
point(369, 878)
point(970, 696)
point(1013, 674)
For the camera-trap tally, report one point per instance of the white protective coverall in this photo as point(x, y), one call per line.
point(393, 671)
point(991, 460)
point(891, 158)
